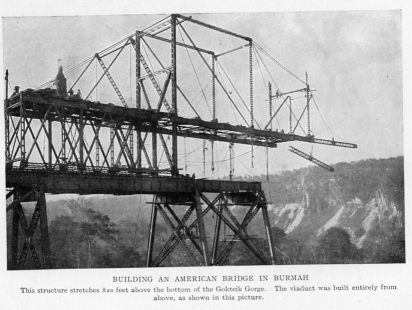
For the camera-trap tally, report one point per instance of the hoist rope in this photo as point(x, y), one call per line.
point(235, 89)
point(324, 120)
point(278, 63)
point(197, 76)
point(263, 78)
point(210, 69)
point(102, 51)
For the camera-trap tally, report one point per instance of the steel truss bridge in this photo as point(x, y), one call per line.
point(62, 143)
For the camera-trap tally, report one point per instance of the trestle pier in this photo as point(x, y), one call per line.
point(197, 197)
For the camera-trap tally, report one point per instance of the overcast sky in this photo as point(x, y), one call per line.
point(353, 58)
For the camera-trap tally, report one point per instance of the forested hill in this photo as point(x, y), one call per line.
point(356, 179)
point(361, 202)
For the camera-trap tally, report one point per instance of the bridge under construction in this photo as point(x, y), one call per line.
point(61, 142)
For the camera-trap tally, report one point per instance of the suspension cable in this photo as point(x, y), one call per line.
point(210, 69)
point(163, 67)
point(231, 84)
point(102, 51)
point(194, 69)
point(324, 120)
point(267, 70)
point(263, 78)
point(231, 106)
point(278, 63)
point(237, 92)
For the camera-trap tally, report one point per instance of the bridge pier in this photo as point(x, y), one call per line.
point(184, 204)
point(23, 232)
point(184, 215)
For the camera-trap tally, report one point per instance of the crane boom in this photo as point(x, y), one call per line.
point(333, 142)
point(311, 158)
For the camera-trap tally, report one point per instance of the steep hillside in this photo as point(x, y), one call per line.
point(358, 197)
point(365, 199)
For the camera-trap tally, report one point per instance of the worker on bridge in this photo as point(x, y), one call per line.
point(16, 90)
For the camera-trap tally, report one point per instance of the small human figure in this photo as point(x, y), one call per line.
point(16, 90)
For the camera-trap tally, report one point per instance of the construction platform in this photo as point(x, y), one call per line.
point(121, 184)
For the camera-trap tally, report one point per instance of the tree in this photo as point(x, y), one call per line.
point(65, 242)
point(335, 247)
point(90, 243)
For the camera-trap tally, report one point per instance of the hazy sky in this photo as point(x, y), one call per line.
point(353, 58)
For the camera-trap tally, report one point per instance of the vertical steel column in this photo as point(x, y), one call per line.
point(212, 146)
point(81, 138)
point(6, 116)
point(139, 147)
point(290, 115)
point(97, 150)
point(131, 147)
point(44, 230)
point(267, 163)
point(151, 233)
point(271, 127)
point(214, 109)
point(154, 146)
point(138, 100)
point(138, 72)
point(268, 231)
point(217, 234)
point(231, 164)
point(175, 170)
point(112, 134)
point(307, 102)
point(252, 119)
point(22, 131)
point(64, 138)
point(50, 144)
point(201, 226)
point(15, 233)
point(270, 105)
point(213, 88)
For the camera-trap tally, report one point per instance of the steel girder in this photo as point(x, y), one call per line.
point(62, 139)
point(79, 139)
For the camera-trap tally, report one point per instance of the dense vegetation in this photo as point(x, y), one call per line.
point(356, 179)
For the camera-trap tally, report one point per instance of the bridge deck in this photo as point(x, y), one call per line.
point(117, 184)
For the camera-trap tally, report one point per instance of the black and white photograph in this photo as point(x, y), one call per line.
point(237, 139)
